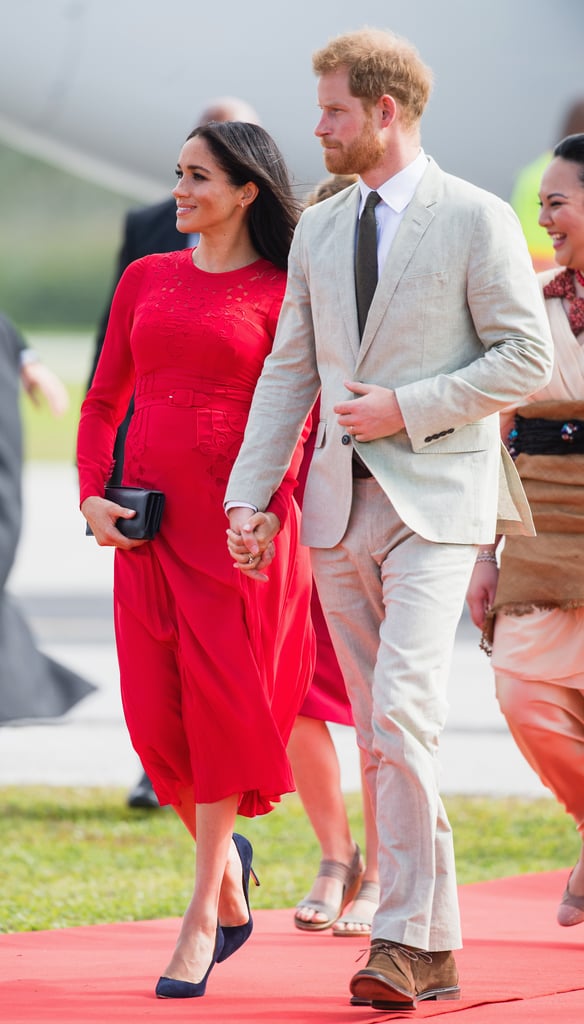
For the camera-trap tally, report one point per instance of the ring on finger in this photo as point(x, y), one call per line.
point(250, 559)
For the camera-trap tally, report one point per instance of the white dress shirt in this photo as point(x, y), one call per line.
point(396, 194)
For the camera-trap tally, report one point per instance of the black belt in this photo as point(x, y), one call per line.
point(360, 471)
point(546, 437)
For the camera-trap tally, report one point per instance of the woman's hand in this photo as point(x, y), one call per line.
point(481, 591)
point(250, 540)
point(101, 515)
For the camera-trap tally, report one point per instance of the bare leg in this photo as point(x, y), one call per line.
point(577, 877)
point(317, 776)
point(212, 825)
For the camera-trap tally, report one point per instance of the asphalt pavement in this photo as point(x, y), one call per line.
point(63, 582)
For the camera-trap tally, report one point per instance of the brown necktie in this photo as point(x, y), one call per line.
point(366, 259)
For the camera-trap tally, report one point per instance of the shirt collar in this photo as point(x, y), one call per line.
point(399, 190)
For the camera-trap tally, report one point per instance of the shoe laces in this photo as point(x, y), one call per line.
point(393, 948)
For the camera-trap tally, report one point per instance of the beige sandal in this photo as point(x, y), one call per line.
point(350, 875)
point(571, 908)
point(359, 926)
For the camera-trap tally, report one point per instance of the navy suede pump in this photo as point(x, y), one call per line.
point(235, 936)
point(172, 988)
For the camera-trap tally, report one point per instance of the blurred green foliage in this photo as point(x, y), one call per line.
point(59, 239)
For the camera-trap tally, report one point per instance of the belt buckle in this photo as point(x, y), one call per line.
point(181, 397)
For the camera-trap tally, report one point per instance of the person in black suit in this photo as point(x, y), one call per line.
point(149, 230)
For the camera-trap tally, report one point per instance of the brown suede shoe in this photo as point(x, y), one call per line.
point(436, 978)
point(388, 980)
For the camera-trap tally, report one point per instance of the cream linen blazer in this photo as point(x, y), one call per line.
point(457, 328)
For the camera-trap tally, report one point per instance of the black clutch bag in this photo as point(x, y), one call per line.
point(148, 506)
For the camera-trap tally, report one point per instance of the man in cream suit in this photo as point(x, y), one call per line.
point(408, 475)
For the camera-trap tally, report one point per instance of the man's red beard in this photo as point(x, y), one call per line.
point(359, 157)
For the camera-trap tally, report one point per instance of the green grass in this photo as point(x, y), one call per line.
point(47, 438)
point(78, 856)
point(69, 354)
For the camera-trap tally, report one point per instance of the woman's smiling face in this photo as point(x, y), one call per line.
point(562, 211)
point(205, 197)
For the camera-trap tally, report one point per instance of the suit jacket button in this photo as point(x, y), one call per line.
point(346, 439)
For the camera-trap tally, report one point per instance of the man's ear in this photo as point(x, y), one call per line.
point(388, 107)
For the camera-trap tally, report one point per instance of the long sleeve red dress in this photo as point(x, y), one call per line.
point(213, 666)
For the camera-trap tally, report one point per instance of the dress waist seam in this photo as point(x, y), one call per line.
point(181, 397)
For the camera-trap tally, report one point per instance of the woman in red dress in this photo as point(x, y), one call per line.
point(213, 667)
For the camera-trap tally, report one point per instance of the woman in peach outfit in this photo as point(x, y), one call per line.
point(536, 600)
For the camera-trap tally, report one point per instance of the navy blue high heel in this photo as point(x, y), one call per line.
point(172, 988)
point(235, 936)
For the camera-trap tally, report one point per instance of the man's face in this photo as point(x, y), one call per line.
point(346, 129)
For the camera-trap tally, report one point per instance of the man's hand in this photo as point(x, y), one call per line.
point(250, 540)
point(376, 413)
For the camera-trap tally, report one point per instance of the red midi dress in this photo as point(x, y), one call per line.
point(213, 666)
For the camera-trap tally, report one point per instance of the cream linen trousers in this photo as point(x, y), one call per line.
point(392, 601)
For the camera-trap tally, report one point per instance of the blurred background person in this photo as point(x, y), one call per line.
point(535, 602)
point(343, 879)
point(32, 685)
point(524, 196)
point(149, 230)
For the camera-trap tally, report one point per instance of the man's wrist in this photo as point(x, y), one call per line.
point(229, 505)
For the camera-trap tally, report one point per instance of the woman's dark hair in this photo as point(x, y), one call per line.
point(246, 152)
point(572, 148)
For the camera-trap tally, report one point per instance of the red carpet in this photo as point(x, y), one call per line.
point(517, 967)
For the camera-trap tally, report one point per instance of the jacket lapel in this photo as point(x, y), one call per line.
point(344, 243)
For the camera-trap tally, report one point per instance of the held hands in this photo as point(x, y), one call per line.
point(250, 540)
point(376, 413)
point(101, 515)
point(481, 591)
